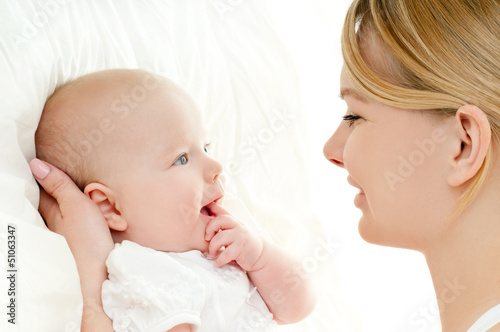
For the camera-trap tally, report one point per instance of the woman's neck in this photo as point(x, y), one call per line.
point(465, 264)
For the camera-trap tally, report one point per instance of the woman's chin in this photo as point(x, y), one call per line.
point(368, 233)
point(372, 234)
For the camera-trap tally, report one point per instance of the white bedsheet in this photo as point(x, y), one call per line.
point(227, 54)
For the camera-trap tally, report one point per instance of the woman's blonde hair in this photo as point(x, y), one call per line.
point(441, 55)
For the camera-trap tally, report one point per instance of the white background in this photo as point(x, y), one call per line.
point(391, 288)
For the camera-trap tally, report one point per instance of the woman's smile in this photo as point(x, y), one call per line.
point(360, 197)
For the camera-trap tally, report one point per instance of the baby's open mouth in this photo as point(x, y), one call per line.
point(206, 211)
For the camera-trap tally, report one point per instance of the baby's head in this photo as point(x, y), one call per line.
point(135, 144)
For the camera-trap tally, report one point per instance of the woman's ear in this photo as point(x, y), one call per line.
point(472, 143)
point(104, 198)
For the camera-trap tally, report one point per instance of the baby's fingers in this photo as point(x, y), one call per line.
point(217, 224)
point(221, 239)
point(217, 209)
point(227, 255)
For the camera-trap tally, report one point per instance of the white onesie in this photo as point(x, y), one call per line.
point(154, 291)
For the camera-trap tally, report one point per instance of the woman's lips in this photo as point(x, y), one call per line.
point(359, 199)
point(354, 184)
point(360, 196)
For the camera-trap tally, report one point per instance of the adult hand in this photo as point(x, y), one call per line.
point(69, 212)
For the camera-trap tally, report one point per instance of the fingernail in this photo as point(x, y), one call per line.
point(39, 169)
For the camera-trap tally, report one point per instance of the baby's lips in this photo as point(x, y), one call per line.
point(207, 214)
point(216, 209)
point(220, 201)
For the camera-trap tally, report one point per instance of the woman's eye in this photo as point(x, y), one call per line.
point(182, 160)
point(351, 119)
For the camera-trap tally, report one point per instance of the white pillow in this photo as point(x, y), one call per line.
point(224, 52)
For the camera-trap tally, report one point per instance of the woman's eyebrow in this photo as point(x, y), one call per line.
point(347, 92)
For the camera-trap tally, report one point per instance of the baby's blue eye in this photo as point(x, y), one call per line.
point(182, 160)
point(205, 148)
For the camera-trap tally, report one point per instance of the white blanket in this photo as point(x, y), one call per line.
point(227, 54)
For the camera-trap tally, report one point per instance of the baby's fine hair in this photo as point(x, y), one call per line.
point(68, 135)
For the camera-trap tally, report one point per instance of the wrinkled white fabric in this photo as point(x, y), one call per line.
point(153, 291)
point(225, 53)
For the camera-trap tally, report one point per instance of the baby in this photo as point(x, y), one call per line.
point(134, 143)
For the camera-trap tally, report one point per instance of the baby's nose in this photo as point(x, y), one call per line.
point(213, 171)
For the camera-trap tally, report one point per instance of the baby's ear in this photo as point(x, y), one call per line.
point(104, 198)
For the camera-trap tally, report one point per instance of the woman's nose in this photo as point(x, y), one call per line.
point(334, 147)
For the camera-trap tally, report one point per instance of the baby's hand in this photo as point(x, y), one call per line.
point(241, 244)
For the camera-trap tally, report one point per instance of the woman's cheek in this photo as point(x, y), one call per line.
point(355, 154)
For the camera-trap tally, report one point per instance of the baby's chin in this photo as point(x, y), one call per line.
point(204, 247)
point(201, 246)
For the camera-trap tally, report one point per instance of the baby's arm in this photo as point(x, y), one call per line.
point(181, 328)
point(288, 295)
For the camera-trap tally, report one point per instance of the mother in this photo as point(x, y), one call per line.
point(420, 140)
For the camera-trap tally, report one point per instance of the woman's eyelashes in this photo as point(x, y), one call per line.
point(351, 119)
